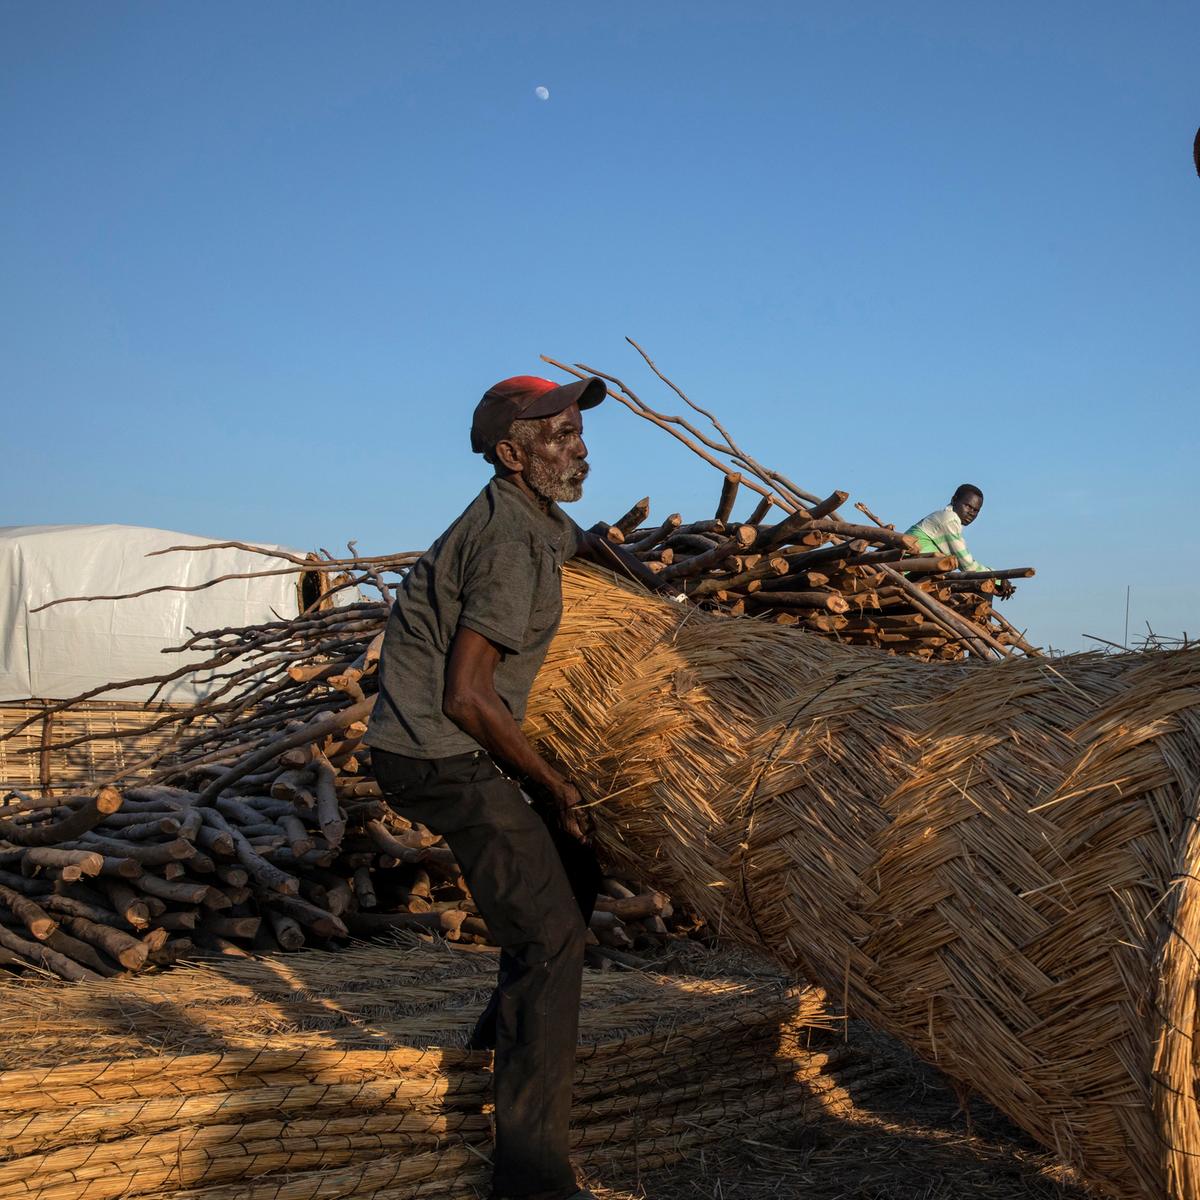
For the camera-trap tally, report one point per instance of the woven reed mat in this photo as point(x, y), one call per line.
point(998, 864)
point(322, 1075)
point(79, 766)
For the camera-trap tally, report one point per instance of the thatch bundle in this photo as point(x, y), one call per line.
point(999, 864)
point(326, 1075)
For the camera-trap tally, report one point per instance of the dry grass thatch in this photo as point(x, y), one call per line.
point(996, 864)
point(322, 1075)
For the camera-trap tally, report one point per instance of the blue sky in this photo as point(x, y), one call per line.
point(259, 260)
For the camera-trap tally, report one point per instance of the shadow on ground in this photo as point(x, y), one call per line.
point(905, 1138)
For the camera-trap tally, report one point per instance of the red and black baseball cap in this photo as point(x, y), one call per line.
point(524, 397)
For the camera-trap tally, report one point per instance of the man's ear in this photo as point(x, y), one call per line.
point(510, 456)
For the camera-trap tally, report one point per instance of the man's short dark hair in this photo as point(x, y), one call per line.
point(966, 489)
point(523, 432)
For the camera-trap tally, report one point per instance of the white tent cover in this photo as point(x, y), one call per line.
point(71, 648)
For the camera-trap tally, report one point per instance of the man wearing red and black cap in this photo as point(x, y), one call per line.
point(464, 641)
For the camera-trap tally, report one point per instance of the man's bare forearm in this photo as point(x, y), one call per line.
point(485, 717)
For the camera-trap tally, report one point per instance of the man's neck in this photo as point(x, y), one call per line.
point(518, 480)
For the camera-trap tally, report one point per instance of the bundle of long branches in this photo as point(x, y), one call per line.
point(795, 561)
point(324, 1076)
point(256, 824)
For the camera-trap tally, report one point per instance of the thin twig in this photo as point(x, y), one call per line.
point(635, 405)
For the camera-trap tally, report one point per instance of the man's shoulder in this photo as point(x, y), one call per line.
point(939, 518)
point(501, 514)
point(951, 519)
point(490, 523)
point(476, 517)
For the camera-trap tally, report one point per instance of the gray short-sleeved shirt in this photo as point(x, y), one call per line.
point(496, 570)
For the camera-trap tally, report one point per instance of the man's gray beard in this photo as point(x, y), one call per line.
point(563, 487)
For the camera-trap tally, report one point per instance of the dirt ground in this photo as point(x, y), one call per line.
point(907, 1140)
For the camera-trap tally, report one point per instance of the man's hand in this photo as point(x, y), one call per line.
point(572, 817)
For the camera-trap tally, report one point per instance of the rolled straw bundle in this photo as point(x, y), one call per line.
point(998, 864)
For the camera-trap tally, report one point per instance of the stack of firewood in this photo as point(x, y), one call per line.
point(795, 561)
point(863, 584)
point(257, 827)
point(119, 881)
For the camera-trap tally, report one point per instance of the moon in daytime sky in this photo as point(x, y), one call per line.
point(542, 93)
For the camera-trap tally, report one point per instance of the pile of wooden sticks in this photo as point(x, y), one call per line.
point(119, 881)
point(256, 826)
point(794, 560)
point(866, 584)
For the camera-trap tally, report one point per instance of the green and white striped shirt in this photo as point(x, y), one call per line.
point(941, 533)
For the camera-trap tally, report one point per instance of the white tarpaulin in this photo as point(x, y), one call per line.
point(72, 648)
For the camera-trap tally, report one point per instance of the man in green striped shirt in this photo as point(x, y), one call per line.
point(941, 532)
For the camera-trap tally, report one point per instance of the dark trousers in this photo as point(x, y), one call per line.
point(532, 884)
